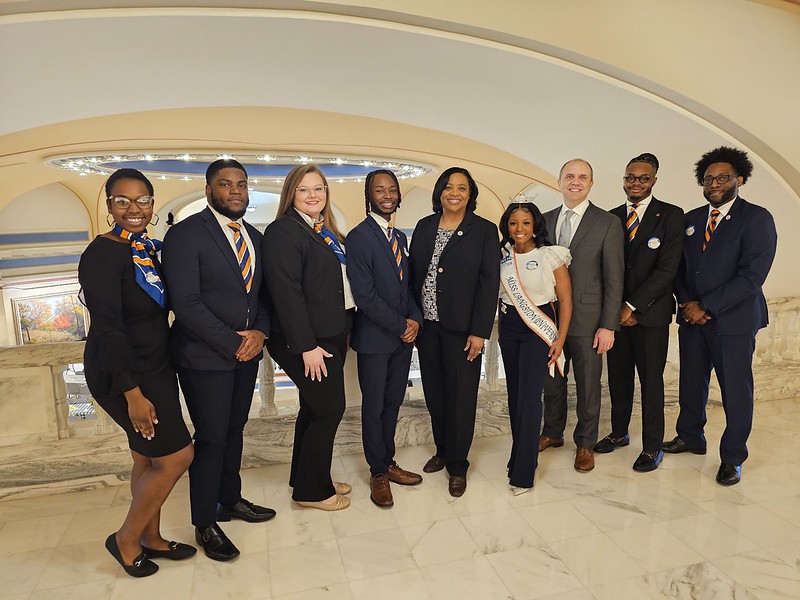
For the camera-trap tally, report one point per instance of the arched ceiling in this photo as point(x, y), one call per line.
point(509, 89)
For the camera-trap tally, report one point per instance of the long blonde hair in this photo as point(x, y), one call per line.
point(292, 180)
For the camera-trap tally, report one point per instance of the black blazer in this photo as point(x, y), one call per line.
point(305, 282)
point(651, 262)
point(728, 276)
point(207, 294)
point(384, 301)
point(468, 280)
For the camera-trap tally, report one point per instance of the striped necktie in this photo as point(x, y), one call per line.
point(632, 224)
point(395, 244)
point(242, 255)
point(712, 225)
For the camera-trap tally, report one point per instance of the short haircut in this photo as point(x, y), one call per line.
point(736, 158)
point(645, 157)
point(539, 226)
point(441, 183)
point(572, 160)
point(368, 185)
point(127, 174)
point(223, 163)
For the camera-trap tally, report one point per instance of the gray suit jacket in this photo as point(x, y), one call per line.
point(597, 269)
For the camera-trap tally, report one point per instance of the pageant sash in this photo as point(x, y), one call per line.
point(535, 319)
point(142, 251)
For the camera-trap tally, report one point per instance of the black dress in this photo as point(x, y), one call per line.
point(128, 345)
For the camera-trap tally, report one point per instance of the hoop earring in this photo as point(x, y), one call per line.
point(110, 220)
point(155, 219)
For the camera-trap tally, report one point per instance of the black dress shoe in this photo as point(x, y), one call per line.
point(729, 474)
point(648, 461)
point(141, 567)
point(610, 443)
point(215, 543)
point(677, 445)
point(246, 511)
point(175, 551)
point(458, 485)
point(434, 464)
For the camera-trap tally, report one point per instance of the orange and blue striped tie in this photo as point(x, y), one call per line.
point(242, 255)
point(712, 225)
point(632, 224)
point(395, 244)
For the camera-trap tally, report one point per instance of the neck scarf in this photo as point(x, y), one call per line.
point(330, 239)
point(142, 251)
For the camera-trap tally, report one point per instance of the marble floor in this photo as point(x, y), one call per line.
point(609, 534)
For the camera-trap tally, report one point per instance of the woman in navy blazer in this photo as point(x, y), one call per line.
point(455, 275)
point(304, 266)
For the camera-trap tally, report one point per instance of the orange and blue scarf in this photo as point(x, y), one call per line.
point(330, 239)
point(142, 251)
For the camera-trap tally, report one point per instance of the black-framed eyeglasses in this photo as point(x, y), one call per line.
point(122, 202)
point(721, 178)
point(640, 178)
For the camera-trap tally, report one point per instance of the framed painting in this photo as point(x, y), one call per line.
point(49, 319)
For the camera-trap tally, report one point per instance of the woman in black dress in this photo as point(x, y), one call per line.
point(128, 369)
point(304, 266)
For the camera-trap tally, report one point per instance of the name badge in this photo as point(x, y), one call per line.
point(653, 243)
point(531, 265)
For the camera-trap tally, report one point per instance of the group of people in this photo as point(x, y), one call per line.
point(571, 284)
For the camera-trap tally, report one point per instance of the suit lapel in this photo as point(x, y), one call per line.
point(460, 233)
point(215, 232)
point(383, 241)
point(651, 218)
point(589, 217)
point(293, 214)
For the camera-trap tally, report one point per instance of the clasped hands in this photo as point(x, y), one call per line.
point(693, 314)
point(252, 344)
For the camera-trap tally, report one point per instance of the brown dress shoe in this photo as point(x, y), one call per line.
point(458, 485)
point(584, 460)
point(435, 463)
point(545, 442)
point(403, 477)
point(380, 492)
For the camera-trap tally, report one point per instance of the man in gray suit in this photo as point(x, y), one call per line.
point(596, 241)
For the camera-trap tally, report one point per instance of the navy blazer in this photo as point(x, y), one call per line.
point(728, 276)
point(651, 262)
point(305, 283)
point(207, 294)
point(384, 301)
point(468, 280)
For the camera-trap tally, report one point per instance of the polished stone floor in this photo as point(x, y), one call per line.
point(609, 534)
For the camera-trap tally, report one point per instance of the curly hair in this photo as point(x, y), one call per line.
point(368, 185)
point(647, 158)
point(736, 158)
point(539, 226)
point(441, 183)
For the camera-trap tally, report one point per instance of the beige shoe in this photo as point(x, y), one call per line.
point(342, 488)
point(341, 503)
point(584, 460)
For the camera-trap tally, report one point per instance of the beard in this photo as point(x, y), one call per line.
point(217, 204)
point(375, 208)
point(726, 197)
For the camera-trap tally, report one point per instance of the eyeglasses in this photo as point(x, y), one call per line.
point(319, 190)
point(122, 202)
point(640, 178)
point(723, 178)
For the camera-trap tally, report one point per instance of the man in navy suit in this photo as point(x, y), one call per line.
point(728, 250)
point(654, 240)
point(385, 327)
point(212, 268)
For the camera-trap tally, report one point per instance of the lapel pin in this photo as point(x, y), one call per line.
point(460, 233)
point(727, 217)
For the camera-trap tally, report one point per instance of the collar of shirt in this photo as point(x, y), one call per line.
point(223, 220)
point(639, 209)
point(723, 210)
point(311, 222)
point(578, 210)
point(382, 223)
point(223, 223)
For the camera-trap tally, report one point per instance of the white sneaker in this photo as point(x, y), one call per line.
point(518, 491)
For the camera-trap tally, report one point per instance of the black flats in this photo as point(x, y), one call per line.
point(176, 551)
point(141, 567)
